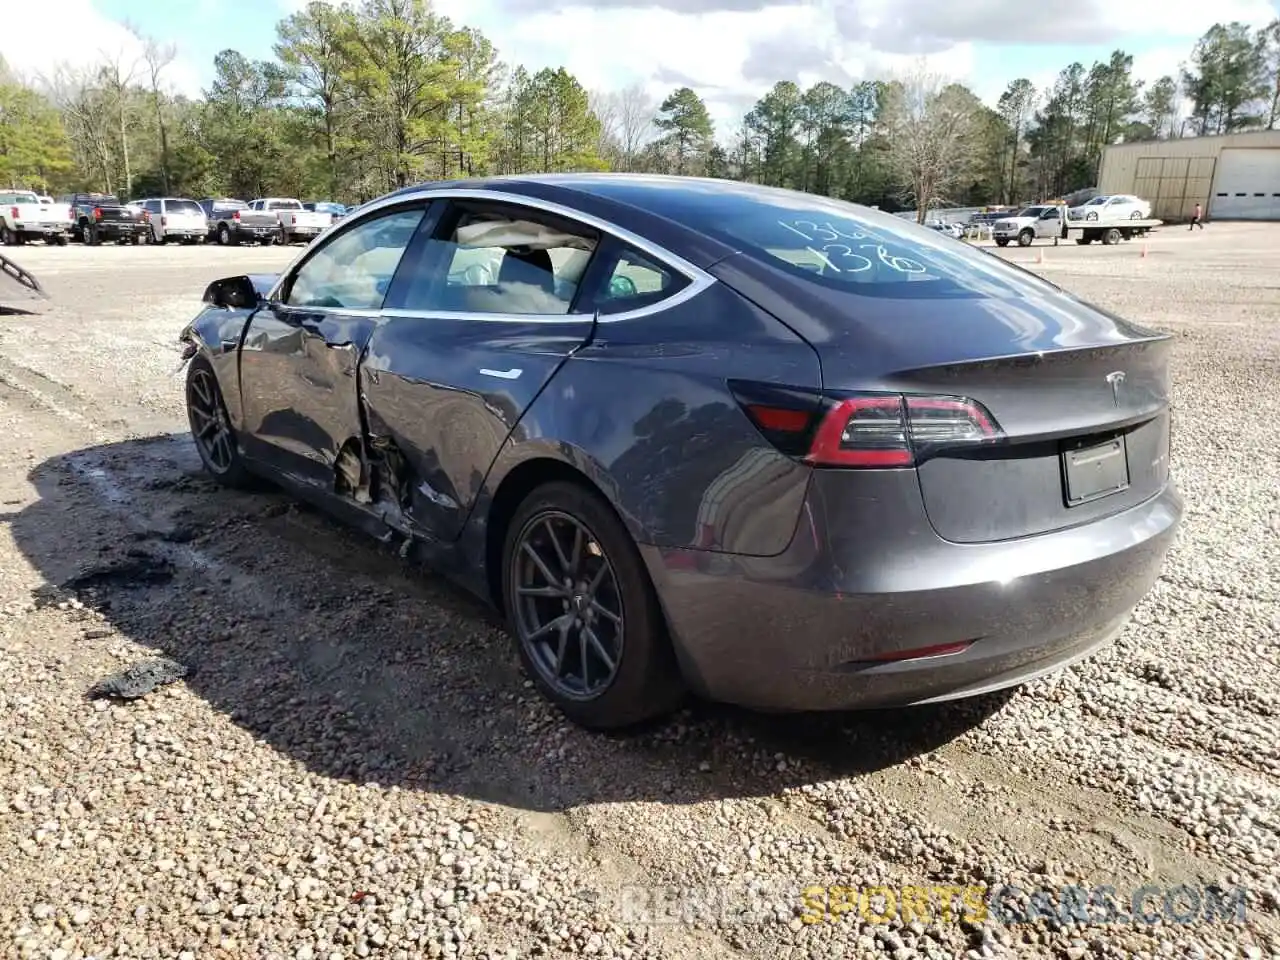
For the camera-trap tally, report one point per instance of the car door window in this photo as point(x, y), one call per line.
point(631, 280)
point(353, 269)
point(500, 259)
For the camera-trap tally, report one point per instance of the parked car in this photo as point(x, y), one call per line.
point(24, 217)
point(293, 221)
point(175, 219)
point(1031, 223)
point(1113, 207)
point(101, 216)
point(854, 463)
point(231, 222)
point(950, 229)
point(336, 211)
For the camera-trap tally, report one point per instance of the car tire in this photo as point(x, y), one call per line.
point(224, 236)
point(211, 430)
point(1002, 243)
point(621, 615)
point(1025, 237)
point(91, 236)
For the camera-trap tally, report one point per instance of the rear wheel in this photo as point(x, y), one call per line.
point(1112, 236)
point(584, 613)
point(211, 428)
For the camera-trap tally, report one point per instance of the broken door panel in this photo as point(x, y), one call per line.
point(300, 389)
point(441, 396)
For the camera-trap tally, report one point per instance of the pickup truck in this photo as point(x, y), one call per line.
point(294, 221)
point(24, 217)
point(100, 216)
point(231, 222)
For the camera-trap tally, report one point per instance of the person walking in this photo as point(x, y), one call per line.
point(1195, 219)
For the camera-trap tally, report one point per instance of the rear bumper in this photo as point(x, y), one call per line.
point(803, 630)
point(42, 229)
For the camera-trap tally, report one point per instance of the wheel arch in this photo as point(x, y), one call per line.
point(517, 481)
point(215, 335)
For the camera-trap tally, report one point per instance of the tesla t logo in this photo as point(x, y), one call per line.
point(1115, 378)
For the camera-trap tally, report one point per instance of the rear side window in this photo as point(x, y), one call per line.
point(632, 280)
point(837, 245)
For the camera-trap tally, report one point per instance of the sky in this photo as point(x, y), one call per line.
point(729, 51)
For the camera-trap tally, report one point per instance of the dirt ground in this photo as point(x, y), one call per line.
point(356, 767)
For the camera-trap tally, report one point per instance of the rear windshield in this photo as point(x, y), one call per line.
point(229, 205)
point(838, 245)
point(284, 205)
point(183, 206)
point(18, 198)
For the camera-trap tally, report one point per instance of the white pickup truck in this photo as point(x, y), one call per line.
point(296, 222)
point(25, 216)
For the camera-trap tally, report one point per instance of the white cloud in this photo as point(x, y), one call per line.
point(88, 40)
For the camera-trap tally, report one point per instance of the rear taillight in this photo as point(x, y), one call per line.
point(870, 430)
point(236, 215)
point(71, 214)
point(97, 213)
point(13, 212)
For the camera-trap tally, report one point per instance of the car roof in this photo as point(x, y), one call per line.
point(629, 200)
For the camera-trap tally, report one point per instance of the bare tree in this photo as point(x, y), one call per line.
point(87, 115)
point(157, 58)
point(605, 106)
point(930, 125)
point(635, 113)
point(117, 76)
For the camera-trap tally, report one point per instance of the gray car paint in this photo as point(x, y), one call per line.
point(777, 580)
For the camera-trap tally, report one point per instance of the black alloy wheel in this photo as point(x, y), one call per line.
point(585, 617)
point(211, 427)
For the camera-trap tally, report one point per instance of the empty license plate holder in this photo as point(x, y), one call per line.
point(1095, 470)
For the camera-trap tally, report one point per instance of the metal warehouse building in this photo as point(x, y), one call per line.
point(1236, 176)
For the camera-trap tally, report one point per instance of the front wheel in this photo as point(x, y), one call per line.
point(1002, 243)
point(1025, 238)
point(211, 428)
point(584, 613)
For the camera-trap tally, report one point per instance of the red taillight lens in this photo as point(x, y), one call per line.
point(892, 430)
point(13, 212)
point(97, 213)
point(863, 432)
point(236, 215)
point(874, 430)
point(71, 214)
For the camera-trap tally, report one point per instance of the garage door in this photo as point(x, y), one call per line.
point(1247, 185)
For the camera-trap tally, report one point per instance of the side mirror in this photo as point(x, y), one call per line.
point(232, 293)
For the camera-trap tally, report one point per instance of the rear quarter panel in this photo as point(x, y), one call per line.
point(644, 411)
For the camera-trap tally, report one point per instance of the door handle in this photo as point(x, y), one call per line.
point(511, 374)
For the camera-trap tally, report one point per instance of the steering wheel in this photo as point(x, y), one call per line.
point(621, 286)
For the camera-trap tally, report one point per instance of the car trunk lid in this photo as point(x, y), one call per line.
point(1058, 377)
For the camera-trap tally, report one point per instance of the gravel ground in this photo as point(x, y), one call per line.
point(355, 766)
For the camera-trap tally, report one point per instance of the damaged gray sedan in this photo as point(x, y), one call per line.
point(689, 434)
